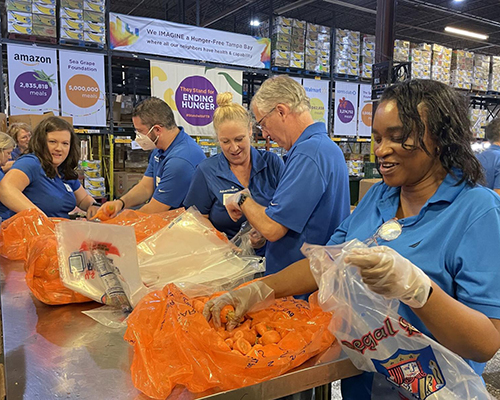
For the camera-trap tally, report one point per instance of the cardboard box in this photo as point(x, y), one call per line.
point(3, 122)
point(124, 181)
point(366, 184)
point(34, 119)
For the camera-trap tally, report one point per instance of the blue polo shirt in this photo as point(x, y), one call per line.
point(312, 197)
point(16, 153)
point(490, 160)
point(454, 240)
point(4, 211)
point(173, 169)
point(214, 180)
point(54, 196)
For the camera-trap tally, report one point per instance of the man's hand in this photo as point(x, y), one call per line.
point(388, 273)
point(232, 206)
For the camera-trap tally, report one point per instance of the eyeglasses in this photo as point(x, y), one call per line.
point(259, 123)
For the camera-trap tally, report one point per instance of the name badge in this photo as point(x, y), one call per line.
point(225, 196)
point(68, 188)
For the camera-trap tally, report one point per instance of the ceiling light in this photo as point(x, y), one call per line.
point(463, 32)
point(254, 22)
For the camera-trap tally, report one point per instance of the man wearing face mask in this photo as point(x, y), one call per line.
point(172, 162)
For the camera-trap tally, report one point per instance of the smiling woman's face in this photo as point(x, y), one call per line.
point(58, 143)
point(399, 166)
point(234, 140)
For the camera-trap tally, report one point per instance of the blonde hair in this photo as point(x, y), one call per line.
point(6, 141)
point(229, 111)
point(15, 129)
point(281, 89)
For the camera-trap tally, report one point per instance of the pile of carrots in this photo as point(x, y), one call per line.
point(249, 338)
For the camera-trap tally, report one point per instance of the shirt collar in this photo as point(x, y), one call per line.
point(224, 169)
point(447, 192)
point(179, 138)
point(317, 128)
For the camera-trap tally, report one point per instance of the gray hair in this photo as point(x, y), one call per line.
point(154, 111)
point(492, 131)
point(6, 141)
point(281, 89)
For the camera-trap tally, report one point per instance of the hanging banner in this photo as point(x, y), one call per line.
point(365, 111)
point(317, 91)
point(346, 105)
point(153, 36)
point(82, 87)
point(191, 92)
point(33, 85)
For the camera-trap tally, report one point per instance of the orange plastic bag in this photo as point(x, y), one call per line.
point(175, 345)
point(145, 225)
point(20, 228)
point(42, 275)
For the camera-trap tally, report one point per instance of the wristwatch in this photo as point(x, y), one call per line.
point(243, 197)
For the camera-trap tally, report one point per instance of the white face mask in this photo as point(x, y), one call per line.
point(144, 141)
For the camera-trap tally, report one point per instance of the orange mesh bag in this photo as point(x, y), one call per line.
point(20, 228)
point(145, 225)
point(175, 345)
point(42, 275)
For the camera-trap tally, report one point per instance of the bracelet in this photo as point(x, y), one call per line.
point(95, 204)
point(123, 203)
point(430, 292)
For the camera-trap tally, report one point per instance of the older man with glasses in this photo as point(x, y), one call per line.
point(312, 197)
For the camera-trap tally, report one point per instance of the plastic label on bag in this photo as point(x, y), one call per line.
point(100, 261)
point(407, 363)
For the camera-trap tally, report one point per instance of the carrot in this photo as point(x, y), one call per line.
point(242, 346)
point(198, 306)
point(229, 342)
point(262, 328)
point(223, 333)
point(270, 337)
point(227, 313)
point(236, 352)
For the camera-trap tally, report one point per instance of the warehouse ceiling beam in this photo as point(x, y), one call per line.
point(228, 12)
point(455, 13)
point(353, 6)
point(293, 6)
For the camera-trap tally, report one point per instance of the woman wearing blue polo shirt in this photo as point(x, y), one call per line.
point(239, 166)
point(46, 178)
point(7, 144)
point(449, 244)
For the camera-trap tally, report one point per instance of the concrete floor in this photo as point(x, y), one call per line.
point(491, 377)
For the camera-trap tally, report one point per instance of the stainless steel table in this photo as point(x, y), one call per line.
point(56, 352)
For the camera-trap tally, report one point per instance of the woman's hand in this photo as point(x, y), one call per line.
point(388, 273)
point(232, 206)
point(92, 211)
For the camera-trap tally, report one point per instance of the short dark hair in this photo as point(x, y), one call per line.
point(492, 131)
point(446, 118)
point(154, 111)
point(38, 146)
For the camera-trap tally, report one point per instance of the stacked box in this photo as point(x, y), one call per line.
point(281, 41)
point(367, 56)
point(401, 50)
point(83, 20)
point(478, 118)
point(462, 69)
point(421, 57)
point(347, 52)
point(29, 17)
point(481, 72)
point(494, 83)
point(441, 63)
point(297, 44)
point(317, 48)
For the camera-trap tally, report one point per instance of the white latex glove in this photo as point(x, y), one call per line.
point(232, 207)
point(253, 297)
point(388, 273)
point(256, 239)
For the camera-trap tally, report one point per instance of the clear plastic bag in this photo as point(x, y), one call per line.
point(406, 362)
point(190, 250)
point(100, 262)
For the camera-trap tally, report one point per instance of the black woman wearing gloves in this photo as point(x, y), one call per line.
point(444, 267)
